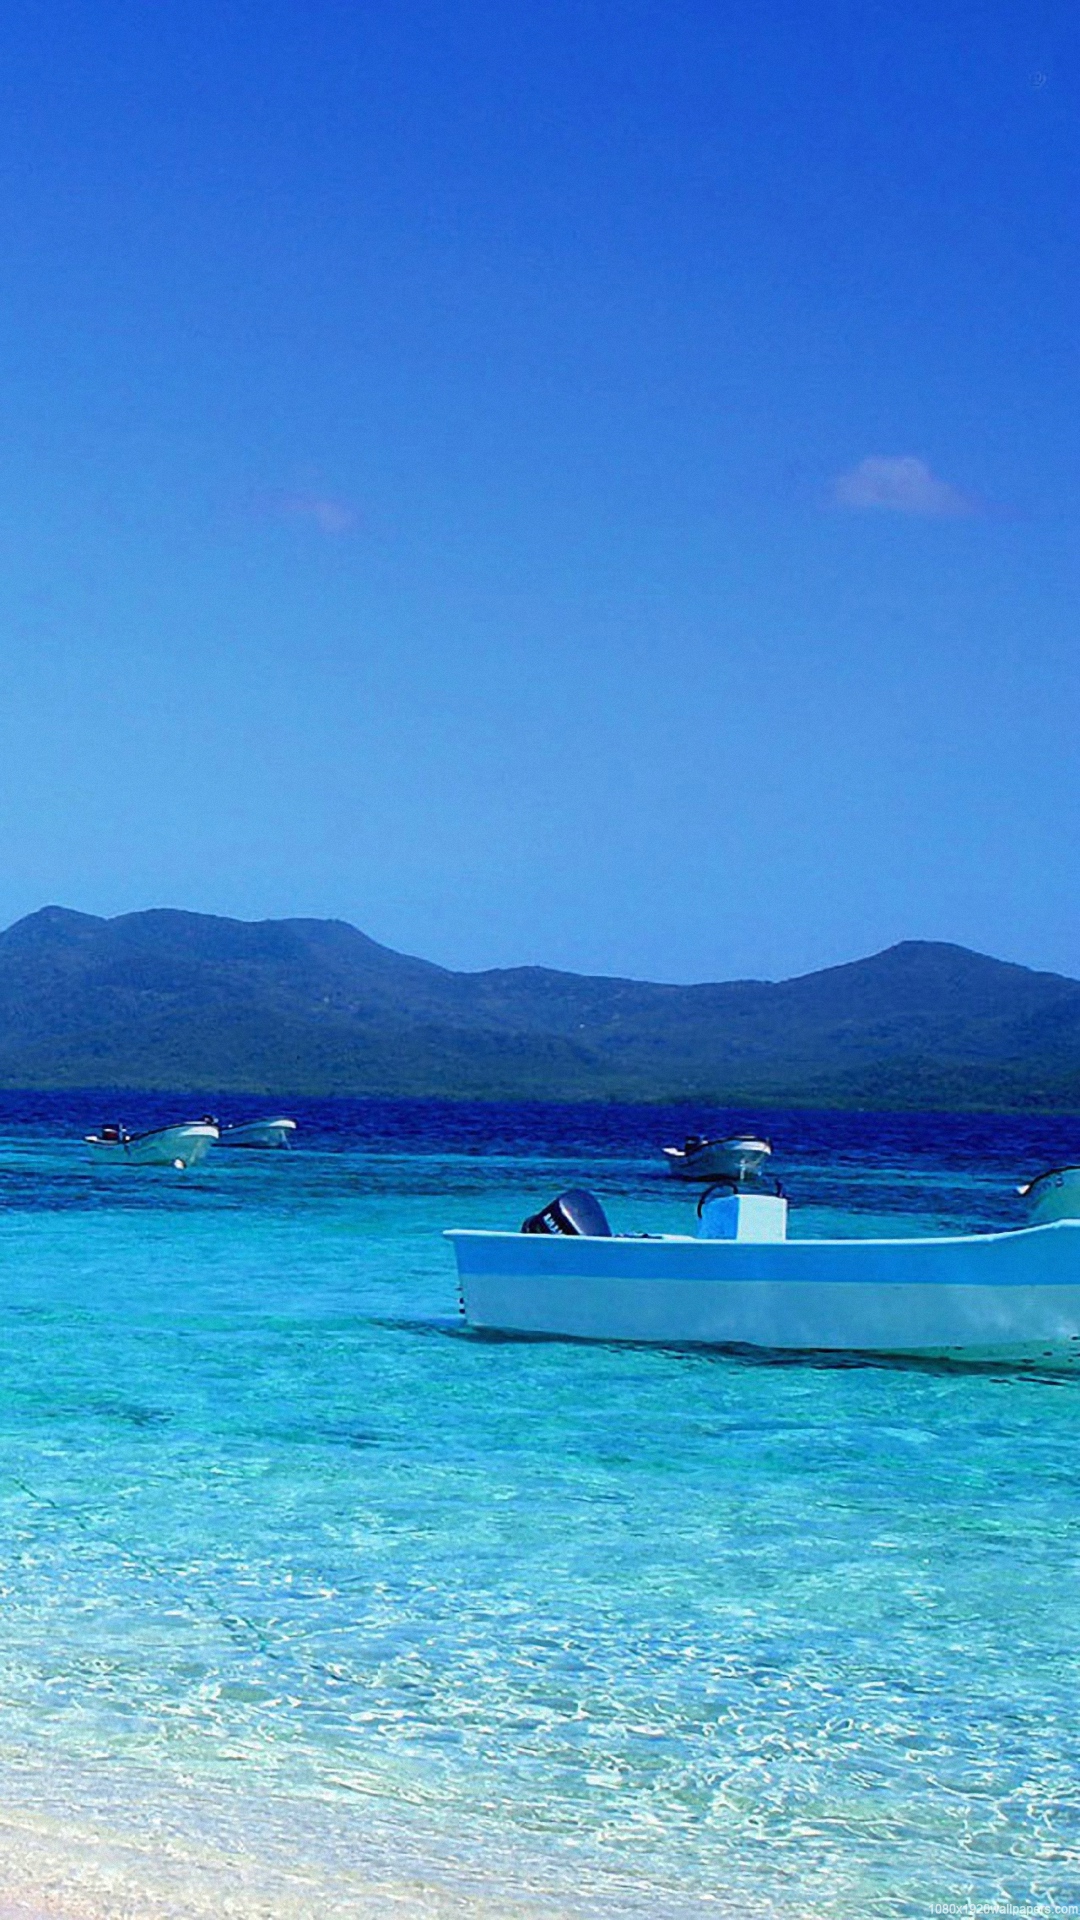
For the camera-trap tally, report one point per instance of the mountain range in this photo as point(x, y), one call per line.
point(170, 1000)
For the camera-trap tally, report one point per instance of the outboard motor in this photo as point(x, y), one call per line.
point(573, 1212)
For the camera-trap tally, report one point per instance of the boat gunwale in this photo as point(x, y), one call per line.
point(198, 1127)
point(699, 1240)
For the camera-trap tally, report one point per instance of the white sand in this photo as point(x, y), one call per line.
point(48, 1872)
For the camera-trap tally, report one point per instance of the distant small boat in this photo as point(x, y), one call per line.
point(1054, 1195)
point(180, 1146)
point(259, 1133)
point(739, 1157)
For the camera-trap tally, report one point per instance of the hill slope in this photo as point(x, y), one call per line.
point(167, 999)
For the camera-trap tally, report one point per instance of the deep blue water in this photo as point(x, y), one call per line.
point(286, 1556)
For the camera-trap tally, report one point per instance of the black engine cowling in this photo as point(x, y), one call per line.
point(576, 1211)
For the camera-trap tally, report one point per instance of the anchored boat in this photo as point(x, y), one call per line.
point(259, 1133)
point(180, 1146)
point(1054, 1195)
point(740, 1156)
point(739, 1281)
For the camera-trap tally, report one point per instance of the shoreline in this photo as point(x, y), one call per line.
point(105, 1839)
point(93, 1874)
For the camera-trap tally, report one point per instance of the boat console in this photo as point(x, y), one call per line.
point(730, 1211)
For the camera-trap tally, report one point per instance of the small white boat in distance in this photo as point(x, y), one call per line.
point(259, 1133)
point(737, 1158)
point(180, 1146)
point(1054, 1195)
point(1012, 1297)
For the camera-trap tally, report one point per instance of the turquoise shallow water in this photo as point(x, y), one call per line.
point(288, 1560)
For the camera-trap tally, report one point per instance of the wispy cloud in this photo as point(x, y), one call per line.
point(902, 483)
point(325, 512)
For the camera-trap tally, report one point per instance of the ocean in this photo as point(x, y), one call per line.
point(314, 1604)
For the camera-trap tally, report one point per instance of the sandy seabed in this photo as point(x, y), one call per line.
point(93, 1875)
point(100, 1839)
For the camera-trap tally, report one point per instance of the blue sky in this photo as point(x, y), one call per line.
point(584, 483)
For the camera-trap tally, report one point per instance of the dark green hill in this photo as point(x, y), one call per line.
point(168, 1000)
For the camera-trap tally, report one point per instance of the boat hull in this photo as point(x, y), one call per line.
point(181, 1146)
point(1008, 1295)
point(696, 1166)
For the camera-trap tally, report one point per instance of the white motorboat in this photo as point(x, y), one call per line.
point(738, 1157)
point(1010, 1296)
point(259, 1133)
point(180, 1146)
point(1054, 1195)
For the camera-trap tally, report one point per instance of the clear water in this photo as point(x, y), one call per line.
point(313, 1604)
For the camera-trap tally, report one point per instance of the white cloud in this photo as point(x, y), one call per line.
point(901, 483)
point(329, 515)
